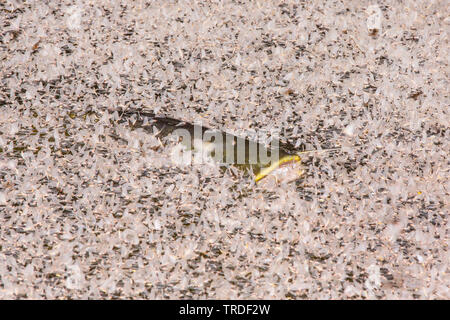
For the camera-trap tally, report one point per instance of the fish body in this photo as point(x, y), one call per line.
point(222, 147)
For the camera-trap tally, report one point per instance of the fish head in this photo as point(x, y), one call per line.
point(286, 170)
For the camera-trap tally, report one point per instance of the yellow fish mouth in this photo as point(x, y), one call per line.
point(284, 160)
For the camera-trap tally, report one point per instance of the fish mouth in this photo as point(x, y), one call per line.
point(282, 162)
